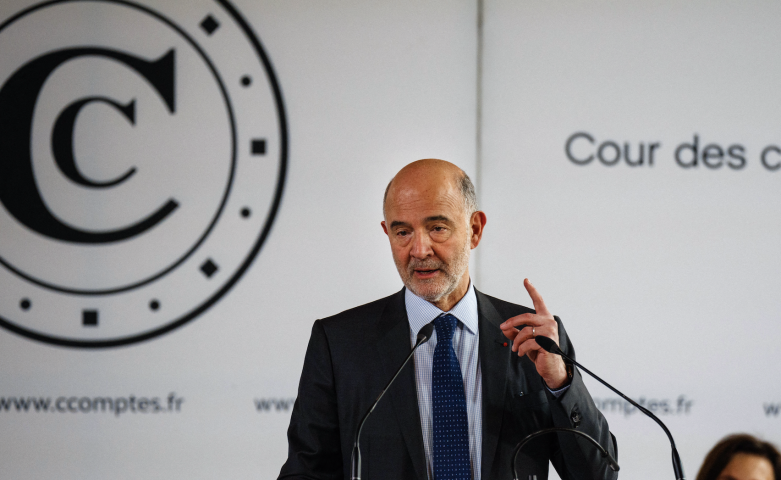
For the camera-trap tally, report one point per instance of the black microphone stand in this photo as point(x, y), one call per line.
point(610, 460)
point(355, 461)
point(550, 346)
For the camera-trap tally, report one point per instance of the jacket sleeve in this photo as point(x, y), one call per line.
point(577, 458)
point(313, 436)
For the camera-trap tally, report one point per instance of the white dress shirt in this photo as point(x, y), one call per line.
point(465, 343)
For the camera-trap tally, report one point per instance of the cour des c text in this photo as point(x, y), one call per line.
point(585, 149)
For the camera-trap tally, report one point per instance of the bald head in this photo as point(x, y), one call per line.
point(432, 173)
point(432, 224)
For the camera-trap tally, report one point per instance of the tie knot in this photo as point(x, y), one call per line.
point(445, 326)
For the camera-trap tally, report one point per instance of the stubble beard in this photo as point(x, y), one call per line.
point(433, 290)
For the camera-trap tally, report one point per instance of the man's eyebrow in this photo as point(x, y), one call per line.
point(433, 218)
point(397, 223)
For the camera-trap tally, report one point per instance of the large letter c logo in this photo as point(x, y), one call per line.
point(19, 192)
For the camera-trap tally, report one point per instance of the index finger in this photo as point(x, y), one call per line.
point(539, 304)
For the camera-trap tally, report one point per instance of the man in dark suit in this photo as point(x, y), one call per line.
point(461, 409)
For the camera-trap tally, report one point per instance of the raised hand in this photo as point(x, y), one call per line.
point(550, 366)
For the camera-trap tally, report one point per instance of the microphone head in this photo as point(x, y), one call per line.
point(547, 344)
point(425, 333)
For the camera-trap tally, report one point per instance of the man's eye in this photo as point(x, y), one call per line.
point(402, 233)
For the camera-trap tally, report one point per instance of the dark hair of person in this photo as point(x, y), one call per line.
point(723, 452)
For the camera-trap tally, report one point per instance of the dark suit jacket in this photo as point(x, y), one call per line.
point(351, 357)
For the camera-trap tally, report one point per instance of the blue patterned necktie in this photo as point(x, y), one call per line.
point(451, 426)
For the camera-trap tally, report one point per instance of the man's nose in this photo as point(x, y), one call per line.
point(421, 246)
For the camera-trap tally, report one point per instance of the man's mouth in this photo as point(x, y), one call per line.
point(421, 273)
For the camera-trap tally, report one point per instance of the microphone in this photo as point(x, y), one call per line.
point(550, 346)
point(610, 460)
point(355, 461)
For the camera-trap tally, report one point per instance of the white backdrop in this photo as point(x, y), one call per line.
point(665, 276)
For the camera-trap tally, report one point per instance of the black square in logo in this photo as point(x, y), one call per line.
point(209, 24)
point(208, 268)
point(258, 146)
point(89, 318)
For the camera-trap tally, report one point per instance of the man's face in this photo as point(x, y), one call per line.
point(430, 236)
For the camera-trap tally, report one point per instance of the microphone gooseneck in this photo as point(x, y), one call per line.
point(610, 460)
point(550, 346)
point(355, 461)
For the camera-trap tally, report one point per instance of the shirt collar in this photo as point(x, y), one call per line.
point(420, 312)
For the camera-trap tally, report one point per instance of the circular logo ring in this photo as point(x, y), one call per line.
point(225, 218)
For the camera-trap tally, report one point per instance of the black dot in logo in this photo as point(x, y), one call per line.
point(89, 318)
point(154, 305)
point(246, 80)
point(258, 146)
point(25, 304)
point(208, 268)
point(246, 212)
point(209, 24)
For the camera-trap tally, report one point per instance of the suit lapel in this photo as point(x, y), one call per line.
point(394, 347)
point(494, 361)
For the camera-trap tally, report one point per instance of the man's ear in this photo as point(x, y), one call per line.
point(477, 224)
point(384, 228)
